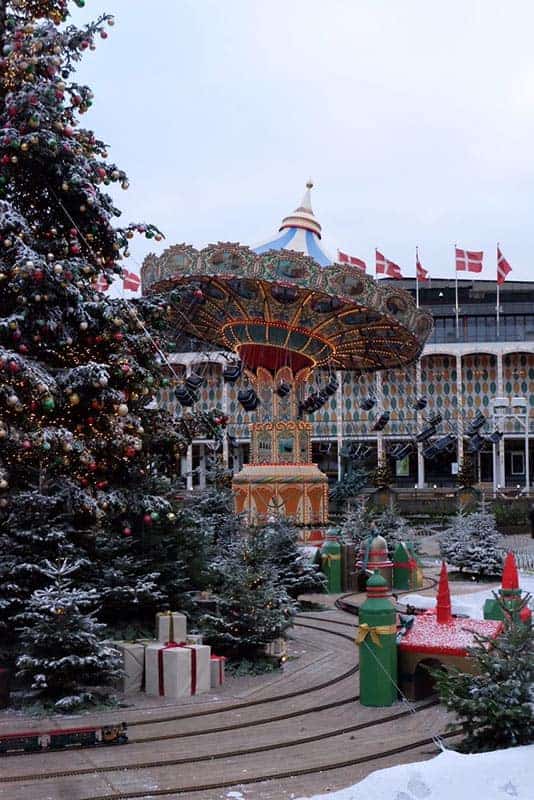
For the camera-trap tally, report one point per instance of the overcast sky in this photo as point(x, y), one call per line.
point(415, 120)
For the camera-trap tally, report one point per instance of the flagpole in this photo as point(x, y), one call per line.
point(498, 308)
point(457, 307)
point(416, 277)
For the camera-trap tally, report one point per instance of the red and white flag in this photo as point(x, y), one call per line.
point(421, 273)
point(130, 281)
point(344, 258)
point(102, 283)
point(469, 260)
point(503, 267)
point(386, 267)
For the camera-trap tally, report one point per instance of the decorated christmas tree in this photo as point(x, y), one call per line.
point(394, 528)
point(495, 706)
point(87, 467)
point(467, 475)
point(63, 657)
point(253, 606)
point(382, 476)
point(473, 544)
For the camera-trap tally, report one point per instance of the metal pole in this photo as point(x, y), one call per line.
point(527, 464)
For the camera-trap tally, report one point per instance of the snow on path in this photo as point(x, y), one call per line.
point(500, 775)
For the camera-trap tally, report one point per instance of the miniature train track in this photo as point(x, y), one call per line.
point(275, 746)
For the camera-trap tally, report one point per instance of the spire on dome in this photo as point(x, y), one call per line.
point(303, 216)
point(443, 605)
point(510, 578)
point(300, 232)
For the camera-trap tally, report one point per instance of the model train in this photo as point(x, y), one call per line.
point(33, 741)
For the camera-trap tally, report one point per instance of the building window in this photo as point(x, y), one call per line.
point(518, 463)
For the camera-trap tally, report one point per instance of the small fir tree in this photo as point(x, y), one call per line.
point(382, 476)
point(291, 565)
point(253, 607)
point(467, 474)
point(348, 487)
point(495, 707)
point(393, 528)
point(64, 659)
point(356, 525)
point(473, 544)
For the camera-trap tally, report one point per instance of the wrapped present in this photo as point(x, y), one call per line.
point(171, 626)
point(177, 670)
point(217, 670)
point(133, 666)
point(193, 638)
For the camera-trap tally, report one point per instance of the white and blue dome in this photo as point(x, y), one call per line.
point(299, 231)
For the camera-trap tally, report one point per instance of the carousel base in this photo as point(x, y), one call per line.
point(296, 491)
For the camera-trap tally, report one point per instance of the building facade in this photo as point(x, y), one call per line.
point(475, 362)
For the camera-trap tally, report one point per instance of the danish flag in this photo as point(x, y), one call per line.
point(344, 258)
point(130, 281)
point(420, 271)
point(503, 267)
point(469, 260)
point(386, 267)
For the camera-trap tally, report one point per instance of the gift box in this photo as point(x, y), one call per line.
point(217, 670)
point(193, 638)
point(171, 626)
point(177, 670)
point(133, 666)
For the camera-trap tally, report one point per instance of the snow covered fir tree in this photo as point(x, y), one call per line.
point(495, 707)
point(473, 544)
point(63, 658)
point(86, 466)
point(253, 606)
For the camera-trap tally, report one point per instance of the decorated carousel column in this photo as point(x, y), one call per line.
point(331, 562)
point(378, 647)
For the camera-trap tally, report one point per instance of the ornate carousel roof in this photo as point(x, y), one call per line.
point(300, 231)
point(282, 308)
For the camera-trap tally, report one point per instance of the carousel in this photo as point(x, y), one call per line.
point(281, 310)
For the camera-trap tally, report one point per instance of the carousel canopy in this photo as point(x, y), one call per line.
point(300, 231)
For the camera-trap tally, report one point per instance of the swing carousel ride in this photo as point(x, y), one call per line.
point(280, 311)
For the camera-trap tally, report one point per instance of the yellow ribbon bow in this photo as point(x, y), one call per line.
point(375, 632)
point(328, 557)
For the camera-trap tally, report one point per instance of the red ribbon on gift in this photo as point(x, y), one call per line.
point(193, 665)
point(221, 660)
point(161, 681)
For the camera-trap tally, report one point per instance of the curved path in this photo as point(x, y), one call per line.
point(295, 735)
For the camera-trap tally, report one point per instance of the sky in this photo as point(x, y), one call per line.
point(414, 119)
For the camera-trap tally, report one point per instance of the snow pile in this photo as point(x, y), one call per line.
point(468, 605)
point(500, 775)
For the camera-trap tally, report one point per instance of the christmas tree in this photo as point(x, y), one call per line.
point(348, 487)
point(473, 544)
point(356, 524)
point(495, 707)
point(382, 476)
point(294, 570)
point(393, 528)
point(253, 606)
point(87, 467)
point(63, 657)
point(467, 474)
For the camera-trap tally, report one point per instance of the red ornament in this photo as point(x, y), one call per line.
point(26, 444)
point(101, 484)
point(199, 293)
point(38, 274)
point(130, 452)
point(93, 466)
point(126, 531)
point(147, 519)
point(118, 337)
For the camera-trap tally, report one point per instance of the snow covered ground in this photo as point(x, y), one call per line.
point(501, 775)
point(470, 605)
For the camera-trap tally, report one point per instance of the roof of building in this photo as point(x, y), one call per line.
point(300, 231)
